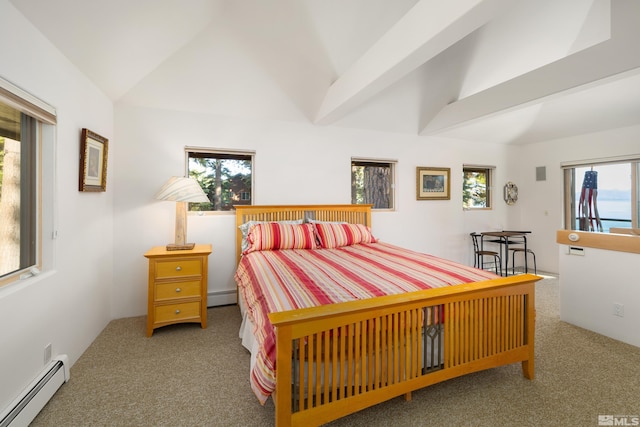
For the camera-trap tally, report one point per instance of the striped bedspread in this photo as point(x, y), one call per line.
point(271, 281)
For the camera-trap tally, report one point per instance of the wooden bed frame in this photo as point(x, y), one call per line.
point(337, 359)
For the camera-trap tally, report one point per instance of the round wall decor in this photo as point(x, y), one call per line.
point(510, 193)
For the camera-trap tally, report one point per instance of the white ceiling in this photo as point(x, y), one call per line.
point(504, 71)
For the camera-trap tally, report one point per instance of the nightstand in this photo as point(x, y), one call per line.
point(177, 286)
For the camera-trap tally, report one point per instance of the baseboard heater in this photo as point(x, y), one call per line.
point(31, 401)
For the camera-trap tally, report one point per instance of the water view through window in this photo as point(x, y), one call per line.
point(613, 201)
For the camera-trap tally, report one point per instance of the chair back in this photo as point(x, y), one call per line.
point(474, 238)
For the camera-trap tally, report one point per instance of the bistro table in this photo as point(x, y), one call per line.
point(503, 239)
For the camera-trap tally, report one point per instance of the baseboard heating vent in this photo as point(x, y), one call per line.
point(31, 401)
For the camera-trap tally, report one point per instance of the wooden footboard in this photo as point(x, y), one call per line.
point(336, 360)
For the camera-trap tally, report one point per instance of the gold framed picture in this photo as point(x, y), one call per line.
point(433, 183)
point(93, 161)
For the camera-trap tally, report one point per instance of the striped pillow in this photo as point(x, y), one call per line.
point(333, 235)
point(244, 228)
point(269, 236)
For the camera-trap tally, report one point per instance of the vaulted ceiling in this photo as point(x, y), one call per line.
point(504, 71)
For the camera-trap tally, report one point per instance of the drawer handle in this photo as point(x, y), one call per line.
point(178, 289)
point(178, 268)
point(177, 311)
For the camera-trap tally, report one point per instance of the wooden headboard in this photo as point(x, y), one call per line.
point(354, 214)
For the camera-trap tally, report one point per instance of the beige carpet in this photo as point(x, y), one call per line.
point(186, 376)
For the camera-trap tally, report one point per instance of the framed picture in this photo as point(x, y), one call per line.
point(433, 183)
point(93, 161)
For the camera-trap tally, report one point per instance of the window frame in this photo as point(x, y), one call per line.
point(45, 119)
point(489, 171)
point(392, 164)
point(570, 182)
point(221, 153)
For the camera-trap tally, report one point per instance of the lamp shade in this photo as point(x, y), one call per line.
point(182, 189)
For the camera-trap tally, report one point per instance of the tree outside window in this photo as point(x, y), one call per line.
point(18, 191)
point(476, 185)
point(225, 177)
point(372, 182)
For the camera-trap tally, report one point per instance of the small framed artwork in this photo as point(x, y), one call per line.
point(93, 161)
point(433, 183)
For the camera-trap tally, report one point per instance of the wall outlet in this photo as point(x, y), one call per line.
point(47, 353)
point(618, 310)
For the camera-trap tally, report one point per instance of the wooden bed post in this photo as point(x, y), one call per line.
point(282, 396)
point(528, 366)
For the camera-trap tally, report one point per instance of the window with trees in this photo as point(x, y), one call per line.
point(372, 182)
point(21, 120)
point(476, 187)
point(225, 176)
point(17, 190)
point(602, 194)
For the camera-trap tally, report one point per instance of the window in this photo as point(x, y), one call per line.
point(372, 182)
point(476, 187)
point(17, 190)
point(602, 194)
point(21, 118)
point(225, 176)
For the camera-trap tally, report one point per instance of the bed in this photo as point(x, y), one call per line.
point(377, 321)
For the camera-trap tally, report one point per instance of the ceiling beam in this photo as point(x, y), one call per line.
point(598, 64)
point(429, 28)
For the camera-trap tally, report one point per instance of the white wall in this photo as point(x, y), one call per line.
point(541, 202)
point(68, 305)
point(295, 163)
point(589, 284)
point(592, 283)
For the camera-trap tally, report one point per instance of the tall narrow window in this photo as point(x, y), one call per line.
point(602, 194)
point(372, 182)
point(476, 187)
point(18, 238)
point(225, 176)
point(21, 119)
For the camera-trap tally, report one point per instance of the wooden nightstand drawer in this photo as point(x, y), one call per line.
point(178, 268)
point(177, 290)
point(174, 312)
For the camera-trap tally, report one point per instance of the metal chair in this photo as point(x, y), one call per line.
point(526, 253)
point(478, 258)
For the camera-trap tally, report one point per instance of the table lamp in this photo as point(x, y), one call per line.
point(181, 190)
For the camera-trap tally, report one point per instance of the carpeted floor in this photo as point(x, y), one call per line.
point(187, 376)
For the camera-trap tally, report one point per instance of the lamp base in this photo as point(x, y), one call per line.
point(177, 247)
